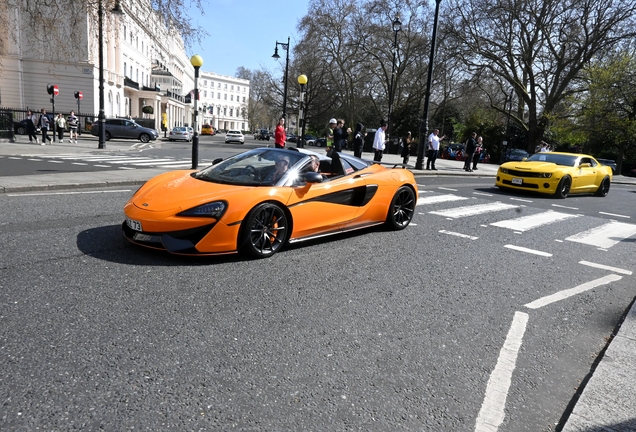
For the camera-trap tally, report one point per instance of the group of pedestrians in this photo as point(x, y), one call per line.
point(42, 124)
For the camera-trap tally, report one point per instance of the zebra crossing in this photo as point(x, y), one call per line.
point(603, 236)
point(117, 161)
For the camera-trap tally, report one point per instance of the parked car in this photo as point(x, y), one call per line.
point(180, 134)
point(513, 154)
point(608, 162)
point(234, 136)
point(291, 137)
point(206, 129)
point(263, 135)
point(321, 142)
point(20, 127)
point(125, 128)
point(310, 140)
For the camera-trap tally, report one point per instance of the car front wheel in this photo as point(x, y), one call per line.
point(264, 231)
point(21, 130)
point(144, 138)
point(401, 209)
point(563, 190)
point(107, 136)
point(604, 187)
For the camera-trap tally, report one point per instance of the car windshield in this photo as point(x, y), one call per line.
point(559, 159)
point(259, 167)
point(181, 129)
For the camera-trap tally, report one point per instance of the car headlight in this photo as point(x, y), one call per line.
point(545, 175)
point(504, 170)
point(213, 210)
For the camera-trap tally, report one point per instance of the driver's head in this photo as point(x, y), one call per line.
point(282, 163)
point(315, 163)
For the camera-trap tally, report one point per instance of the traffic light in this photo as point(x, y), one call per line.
point(78, 95)
point(52, 89)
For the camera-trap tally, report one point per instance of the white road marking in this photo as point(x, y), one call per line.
point(561, 295)
point(606, 235)
point(434, 199)
point(616, 215)
point(102, 166)
point(16, 158)
point(529, 222)
point(532, 251)
point(448, 189)
point(606, 267)
point(492, 412)
point(482, 194)
point(54, 161)
point(565, 207)
point(474, 210)
point(78, 163)
point(69, 193)
point(520, 199)
point(36, 160)
point(456, 234)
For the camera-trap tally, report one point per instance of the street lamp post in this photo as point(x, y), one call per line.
point(197, 62)
point(397, 26)
point(276, 56)
point(101, 117)
point(302, 80)
point(427, 97)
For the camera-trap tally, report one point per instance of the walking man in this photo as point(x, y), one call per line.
point(433, 149)
point(471, 145)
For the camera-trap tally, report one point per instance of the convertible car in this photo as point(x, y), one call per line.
point(559, 174)
point(257, 201)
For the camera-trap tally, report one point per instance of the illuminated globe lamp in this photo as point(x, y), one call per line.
point(196, 61)
point(302, 80)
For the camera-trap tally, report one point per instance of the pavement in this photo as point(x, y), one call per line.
point(606, 400)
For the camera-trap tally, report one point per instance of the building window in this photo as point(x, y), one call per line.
point(232, 98)
point(243, 99)
point(218, 95)
point(225, 96)
point(225, 87)
point(124, 32)
point(224, 111)
point(238, 88)
point(205, 93)
point(231, 112)
point(131, 75)
point(205, 83)
point(125, 71)
point(212, 84)
point(232, 88)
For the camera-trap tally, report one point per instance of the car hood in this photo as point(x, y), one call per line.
point(178, 190)
point(532, 166)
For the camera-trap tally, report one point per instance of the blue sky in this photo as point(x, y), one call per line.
point(244, 33)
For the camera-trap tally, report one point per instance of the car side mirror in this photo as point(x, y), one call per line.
point(217, 160)
point(313, 177)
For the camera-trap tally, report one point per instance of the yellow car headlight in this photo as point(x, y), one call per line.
point(504, 170)
point(545, 175)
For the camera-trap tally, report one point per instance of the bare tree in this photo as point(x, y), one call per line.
point(537, 48)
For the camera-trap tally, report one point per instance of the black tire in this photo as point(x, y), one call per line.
point(264, 231)
point(563, 190)
point(107, 136)
point(401, 209)
point(21, 130)
point(144, 138)
point(603, 188)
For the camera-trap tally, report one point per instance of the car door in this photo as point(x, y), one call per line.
point(321, 208)
point(129, 129)
point(584, 178)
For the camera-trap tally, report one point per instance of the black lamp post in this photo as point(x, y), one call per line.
point(276, 56)
point(197, 62)
point(101, 117)
point(427, 96)
point(397, 26)
point(302, 80)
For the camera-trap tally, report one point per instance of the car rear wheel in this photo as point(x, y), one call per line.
point(264, 231)
point(21, 130)
point(604, 187)
point(107, 136)
point(144, 138)
point(564, 187)
point(401, 209)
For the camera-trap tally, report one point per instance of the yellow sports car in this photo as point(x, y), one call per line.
point(558, 174)
point(206, 129)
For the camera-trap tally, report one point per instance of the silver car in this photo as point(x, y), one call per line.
point(234, 136)
point(180, 134)
point(125, 128)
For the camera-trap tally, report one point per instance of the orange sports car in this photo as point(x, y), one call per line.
point(257, 201)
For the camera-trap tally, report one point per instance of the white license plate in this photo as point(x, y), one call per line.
point(133, 224)
point(517, 181)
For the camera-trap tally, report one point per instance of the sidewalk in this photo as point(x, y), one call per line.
point(608, 401)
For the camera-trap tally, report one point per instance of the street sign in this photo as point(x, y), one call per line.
point(56, 90)
point(78, 95)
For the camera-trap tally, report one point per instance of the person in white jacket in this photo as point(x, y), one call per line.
point(378, 142)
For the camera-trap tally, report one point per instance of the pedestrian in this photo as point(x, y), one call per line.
point(478, 150)
point(279, 134)
point(73, 123)
point(328, 135)
point(433, 149)
point(406, 148)
point(544, 147)
point(378, 142)
point(60, 123)
point(31, 121)
point(340, 136)
point(44, 125)
point(358, 140)
point(471, 145)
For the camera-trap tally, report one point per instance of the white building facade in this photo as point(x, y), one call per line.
point(147, 73)
point(223, 101)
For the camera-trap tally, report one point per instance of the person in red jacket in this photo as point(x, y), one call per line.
point(279, 135)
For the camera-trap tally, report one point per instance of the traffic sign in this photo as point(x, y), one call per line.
point(78, 95)
point(56, 90)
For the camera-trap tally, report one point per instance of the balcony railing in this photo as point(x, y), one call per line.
point(130, 83)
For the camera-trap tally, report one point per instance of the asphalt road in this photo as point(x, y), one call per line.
point(376, 330)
